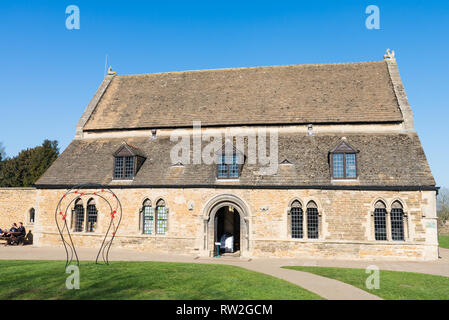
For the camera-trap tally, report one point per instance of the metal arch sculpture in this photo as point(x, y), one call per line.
point(63, 228)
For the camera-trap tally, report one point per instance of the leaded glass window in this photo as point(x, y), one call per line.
point(351, 171)
point(118, 169)
point(312, 220)
point(148, 218)
point(228, 167)
point(296, 215)
point(337, 164)
point(222, 168)
point(129, 167)
point(161, 217)
point(92, 215)
point(124, 167)
point(397, 222)
point(127, 162)
point(344, 165)
point(380, 221)
point(234, 167)
point(79, 216)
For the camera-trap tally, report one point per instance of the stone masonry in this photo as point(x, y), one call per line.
point(346, 222)
point(15, 206)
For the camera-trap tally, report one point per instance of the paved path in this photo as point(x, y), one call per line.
point(325, 287)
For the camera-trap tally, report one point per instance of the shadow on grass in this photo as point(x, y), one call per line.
point(142, 280)
point(394, 285)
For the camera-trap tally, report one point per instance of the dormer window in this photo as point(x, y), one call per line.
point(344, 161)
point(127, 161)
point(124, 168)
point(230, 161)
point(228, 167)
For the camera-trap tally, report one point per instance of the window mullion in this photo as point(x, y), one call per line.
point(124, 168)
point(85, 220)
point(154, 223)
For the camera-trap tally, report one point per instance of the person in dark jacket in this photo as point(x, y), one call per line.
point(17, 234)
point(21, 236)
point(13, 227)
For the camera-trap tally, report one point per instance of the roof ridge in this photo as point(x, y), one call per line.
point(250, 68)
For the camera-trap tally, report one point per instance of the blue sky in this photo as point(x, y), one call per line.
point(49, 73)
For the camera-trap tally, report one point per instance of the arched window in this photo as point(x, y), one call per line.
point(312, 220)
point(397, 221)
point(147, 217)
point(91, 216)
point(161, 217)
point(32, 216)
point(296, 215)
point(78, 216)
point(380, 221)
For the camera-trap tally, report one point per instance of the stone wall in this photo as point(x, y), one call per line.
point(15, 206)
point(346, 222)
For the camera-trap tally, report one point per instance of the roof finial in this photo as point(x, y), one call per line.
point(110, 72)
point(389, 55)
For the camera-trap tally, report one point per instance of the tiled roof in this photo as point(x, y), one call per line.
point(323, 93)
point(383, 160)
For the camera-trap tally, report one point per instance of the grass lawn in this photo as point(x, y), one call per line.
point(142, 280)
point(443, 239)
point(393, 285)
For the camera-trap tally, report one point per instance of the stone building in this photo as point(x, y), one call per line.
point(345, 175)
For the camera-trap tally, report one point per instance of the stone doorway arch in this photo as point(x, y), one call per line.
point(210, 215)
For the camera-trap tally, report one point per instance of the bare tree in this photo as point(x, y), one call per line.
point(443, 206)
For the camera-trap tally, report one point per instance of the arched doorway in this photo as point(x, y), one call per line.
point(227, 230)
point(216, 212)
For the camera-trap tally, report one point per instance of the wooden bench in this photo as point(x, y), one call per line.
point(4, 239)
point(28, 239)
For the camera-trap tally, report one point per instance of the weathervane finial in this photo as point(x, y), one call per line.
point(389, 55)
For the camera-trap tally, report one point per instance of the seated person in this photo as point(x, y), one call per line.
point(21, 236)
point(7, 233)
point(13, 227)
point(29, 238)
point(4, 232)
point(11, 236)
